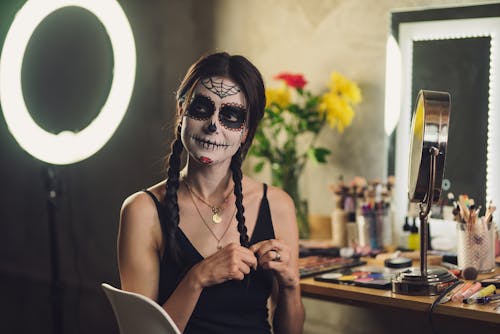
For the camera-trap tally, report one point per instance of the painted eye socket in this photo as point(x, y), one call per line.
point(232, 116)
point(201, 107)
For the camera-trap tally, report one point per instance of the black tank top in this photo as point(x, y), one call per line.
point(229, 307)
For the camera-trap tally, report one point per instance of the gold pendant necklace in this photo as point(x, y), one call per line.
point(216, 210)
point(216, 218)
point(219, 240)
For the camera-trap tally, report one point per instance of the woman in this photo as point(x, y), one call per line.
point(208, 244)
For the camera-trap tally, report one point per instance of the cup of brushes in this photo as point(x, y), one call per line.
point(475, 235)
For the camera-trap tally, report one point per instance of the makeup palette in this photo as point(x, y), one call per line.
point(315, 264)
point(366, 279)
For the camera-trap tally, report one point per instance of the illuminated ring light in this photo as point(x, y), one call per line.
point(66, 147)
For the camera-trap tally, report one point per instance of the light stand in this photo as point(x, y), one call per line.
point(52, 188)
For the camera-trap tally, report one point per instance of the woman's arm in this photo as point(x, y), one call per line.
point(139, 252)
point(286, 299)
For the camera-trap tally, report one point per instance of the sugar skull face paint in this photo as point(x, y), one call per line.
point(231, 115)
point(214, 121)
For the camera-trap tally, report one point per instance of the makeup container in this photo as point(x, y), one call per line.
point(363, 233)
point(405, 233)
point(475, 245)
point(351, 226)
point(339, 221)
point(414, 237)
point(387, 232)
point(489, 290)
point(373, 226)
point(488, 299)
point(398, 263)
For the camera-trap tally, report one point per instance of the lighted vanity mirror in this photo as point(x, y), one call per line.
point(454, 50)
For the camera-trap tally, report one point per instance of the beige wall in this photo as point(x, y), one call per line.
point(316, 37)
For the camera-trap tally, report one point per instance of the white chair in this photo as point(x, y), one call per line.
point(137, 314)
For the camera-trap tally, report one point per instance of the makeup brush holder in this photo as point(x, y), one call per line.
point(476, 246)
point(378, 226)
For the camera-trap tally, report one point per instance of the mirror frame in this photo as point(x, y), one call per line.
point(399, 87)
point(429, 129)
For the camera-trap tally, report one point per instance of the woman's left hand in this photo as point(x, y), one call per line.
point(274, 254)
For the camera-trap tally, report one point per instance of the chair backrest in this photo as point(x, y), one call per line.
point(137, 314)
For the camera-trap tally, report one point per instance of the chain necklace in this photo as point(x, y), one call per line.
point(216, 210)
point(219, 245)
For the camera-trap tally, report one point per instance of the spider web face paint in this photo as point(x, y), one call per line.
point(220, 88)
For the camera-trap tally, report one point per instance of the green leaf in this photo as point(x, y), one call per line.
point(318, 154)
point(312, 102)
point(258, 167)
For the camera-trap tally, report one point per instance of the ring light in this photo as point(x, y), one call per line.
point(66, 147)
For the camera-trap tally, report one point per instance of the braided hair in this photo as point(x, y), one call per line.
point(171, 204)
point(238, 193)
point(245, 74)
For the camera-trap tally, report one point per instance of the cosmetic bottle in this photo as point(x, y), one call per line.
point(351, 226)
point(405, 233)
point(363, 237)
point(387, 230)
point(414, 237)
point(338, 221)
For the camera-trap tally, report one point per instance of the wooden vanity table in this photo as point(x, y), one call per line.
point(450, 316)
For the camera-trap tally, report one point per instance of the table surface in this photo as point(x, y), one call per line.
point(349, 294)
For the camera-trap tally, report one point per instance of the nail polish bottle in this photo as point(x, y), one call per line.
point(414, 237)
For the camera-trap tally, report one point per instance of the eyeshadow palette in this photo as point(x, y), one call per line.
point(314, 265)
point(367, 279)
point(495, 280)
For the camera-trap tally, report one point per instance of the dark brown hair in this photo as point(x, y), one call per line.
point(245, 74)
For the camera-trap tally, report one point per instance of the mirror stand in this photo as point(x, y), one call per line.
point(429, 132)
point(432, 280)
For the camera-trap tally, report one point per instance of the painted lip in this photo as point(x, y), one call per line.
point(205, 160)
point(208, 144)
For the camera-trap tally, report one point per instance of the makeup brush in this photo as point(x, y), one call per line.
point(451, 198)
point(469, 273)
point(463, 202)
point(489, 212)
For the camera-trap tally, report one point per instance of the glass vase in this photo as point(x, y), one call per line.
point(287, 178)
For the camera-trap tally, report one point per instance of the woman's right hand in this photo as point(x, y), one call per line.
point(230, 263)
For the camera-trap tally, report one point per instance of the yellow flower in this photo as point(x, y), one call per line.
point(338, 101)
point(338, 110)
point(280, 96)
point(344, 87)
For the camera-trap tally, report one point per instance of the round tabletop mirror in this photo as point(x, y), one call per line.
point(429, 135)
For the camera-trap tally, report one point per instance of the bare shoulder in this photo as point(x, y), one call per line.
point(142, 201)
point(139, 209)
point(282, 214)
point(252, 189)
point(138, 203)
point(139, 244)
point(280, 201)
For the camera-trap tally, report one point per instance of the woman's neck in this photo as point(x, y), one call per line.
point(210, 182)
